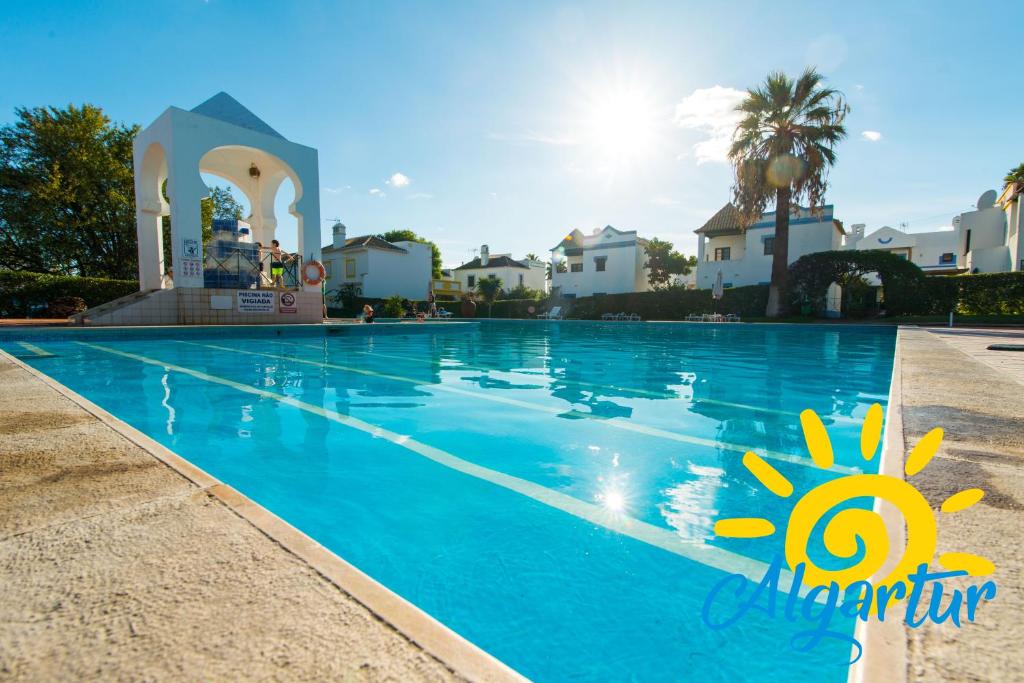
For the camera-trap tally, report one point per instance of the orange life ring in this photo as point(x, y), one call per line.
point(313, 273)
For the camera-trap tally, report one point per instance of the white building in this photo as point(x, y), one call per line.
point(984, 236)
point(512, 272)
point(744, 257)
point(1010, 201)
point(936, 253)
point(376, 268)
point(608, 261)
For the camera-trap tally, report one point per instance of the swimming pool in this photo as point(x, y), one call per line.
point(547, 490)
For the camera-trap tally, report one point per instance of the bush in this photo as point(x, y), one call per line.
point(981, 294)
point(22, 293)
point(391, 308)
point(674, 303)
point(811, 274)
point(64, 306)
point(522, 292)
point(514, 308)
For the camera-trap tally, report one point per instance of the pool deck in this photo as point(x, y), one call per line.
point(950, 380)
point(120, 560)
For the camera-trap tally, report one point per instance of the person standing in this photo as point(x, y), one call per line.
point(276, 264)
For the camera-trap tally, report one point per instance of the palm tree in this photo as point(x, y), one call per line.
point(532, 257)
point(489, 288)
point(1016, 175)
point(782, 150)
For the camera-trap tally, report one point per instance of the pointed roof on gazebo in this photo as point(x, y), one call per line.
point(226, 108)
point(726, 222)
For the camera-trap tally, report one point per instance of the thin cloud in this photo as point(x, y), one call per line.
point(377, 192)
point(399, 180)
point(871, 135)
point(711, 111)
point(535, 137)
point(337, 190)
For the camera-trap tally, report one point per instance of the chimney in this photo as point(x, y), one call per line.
point(339, 235)
point(485, 255)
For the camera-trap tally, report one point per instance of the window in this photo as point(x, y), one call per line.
point(769, 246)
point(520, 279)
point(492, 276)
point(968, 247)
point(599, 263)
point(722, 253)
point(575, 267)
point(350, 268)
point(948, 257)
point(327, 268)
point(471, 281)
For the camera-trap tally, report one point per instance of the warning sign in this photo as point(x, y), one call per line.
point(191, 267)
point(287, 303)
point(255, 301)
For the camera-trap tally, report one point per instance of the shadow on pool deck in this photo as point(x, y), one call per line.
point(115, 566)
point(951, 383)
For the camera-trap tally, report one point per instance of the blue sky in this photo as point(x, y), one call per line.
point(515, 122)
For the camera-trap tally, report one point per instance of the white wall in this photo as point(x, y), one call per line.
point(925, 249)
point(336, 276)
point(749, 265)
point(624, 272)
point(383, 272)
point(1014, 226)
point(989, 251)
point(391, 272)
point(534, 276)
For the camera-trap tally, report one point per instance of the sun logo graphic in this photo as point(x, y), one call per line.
point(877, 573)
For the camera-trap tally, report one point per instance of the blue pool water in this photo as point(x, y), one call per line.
point(547, 490)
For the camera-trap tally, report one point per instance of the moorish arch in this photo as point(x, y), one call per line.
point(223, 138)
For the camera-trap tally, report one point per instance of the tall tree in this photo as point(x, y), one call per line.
point(67, 200)
point(663, 262)
point(782, 151)
point(224, 204)
point(220, 204)
point(489, 288)
point(410, 236)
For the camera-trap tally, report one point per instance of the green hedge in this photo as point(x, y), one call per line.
point(981, 294)
point(22, 294)
point(811, 274)
point(673, 304)
point(509, 308)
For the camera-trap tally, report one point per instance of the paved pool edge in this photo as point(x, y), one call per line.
point(885, 642)
point(937, 383)
point(422, 631)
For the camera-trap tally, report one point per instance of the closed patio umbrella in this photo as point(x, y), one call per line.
point(717, 292)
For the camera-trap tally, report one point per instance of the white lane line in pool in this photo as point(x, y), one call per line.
point(35, 350)
point(613, 422)
point(718, 558)
point(580, 383)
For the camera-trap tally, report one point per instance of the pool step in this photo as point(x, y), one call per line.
point(85, 316)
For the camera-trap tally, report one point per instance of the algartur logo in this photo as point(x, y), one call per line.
point(873, 582)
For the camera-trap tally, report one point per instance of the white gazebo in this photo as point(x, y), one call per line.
point(222, 138)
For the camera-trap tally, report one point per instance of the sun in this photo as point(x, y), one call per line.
point(853, 529)
point(621, 123)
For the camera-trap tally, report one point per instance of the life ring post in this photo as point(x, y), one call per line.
point(313, 273)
